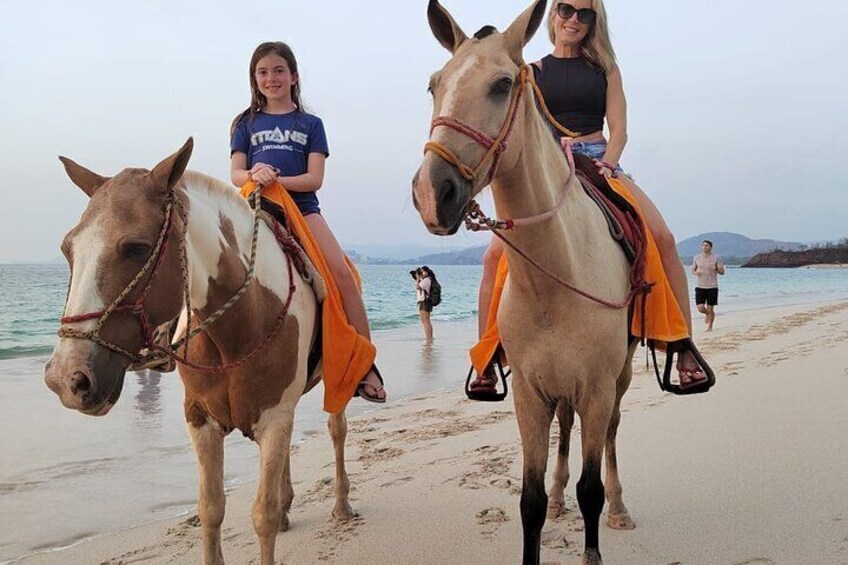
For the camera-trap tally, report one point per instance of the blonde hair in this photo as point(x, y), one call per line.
point(596, 46)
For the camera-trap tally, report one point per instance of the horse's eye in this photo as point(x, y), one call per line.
point(135, 250)
point(430, 89)
point(502, 86)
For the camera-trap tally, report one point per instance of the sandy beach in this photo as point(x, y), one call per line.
point(751, 473)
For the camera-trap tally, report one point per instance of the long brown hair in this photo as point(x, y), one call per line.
point(257, 99)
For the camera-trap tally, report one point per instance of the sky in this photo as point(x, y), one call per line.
point(736, 116)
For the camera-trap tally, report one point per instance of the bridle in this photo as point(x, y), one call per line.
point(476, 220)
point(173, 208)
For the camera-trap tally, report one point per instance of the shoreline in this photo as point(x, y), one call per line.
point(750, 327)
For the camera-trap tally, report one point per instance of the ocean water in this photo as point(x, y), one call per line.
point(32, 296)
point(65, 477)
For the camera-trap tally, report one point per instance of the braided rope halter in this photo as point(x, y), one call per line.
point(476, 220)
point(294, 261)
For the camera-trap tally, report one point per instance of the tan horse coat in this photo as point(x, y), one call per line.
point(567, 353)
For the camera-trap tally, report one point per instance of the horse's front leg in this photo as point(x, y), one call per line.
point(594, 424)
point(337, 424)
point(618, 517)
point(534, 415)
point(208, 444)
point(274, 439)
point(556, 498)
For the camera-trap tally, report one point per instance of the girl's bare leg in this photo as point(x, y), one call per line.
point(351, 298)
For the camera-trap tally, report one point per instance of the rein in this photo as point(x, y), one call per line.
point(476, 220)
point(154, 263)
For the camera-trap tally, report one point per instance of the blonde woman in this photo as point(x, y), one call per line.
point(581, 84)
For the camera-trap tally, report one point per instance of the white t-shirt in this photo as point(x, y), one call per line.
point(707, 269)
point(423, 289)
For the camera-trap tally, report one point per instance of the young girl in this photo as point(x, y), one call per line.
point(275, 140)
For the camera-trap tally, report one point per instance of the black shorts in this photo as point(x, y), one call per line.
point(708, 296)
point(425, 305)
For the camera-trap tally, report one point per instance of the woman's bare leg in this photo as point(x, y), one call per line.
point(672, 265)
point(351, 298)
point(491, 258)
point(428, 325)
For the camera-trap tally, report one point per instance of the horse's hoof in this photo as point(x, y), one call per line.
point(620, 521)
point(343, 512)
point(284, 523)
point(592, 557)
point(556, 508)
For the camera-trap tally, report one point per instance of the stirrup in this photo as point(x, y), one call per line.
point(676, 348)
point(488, 396)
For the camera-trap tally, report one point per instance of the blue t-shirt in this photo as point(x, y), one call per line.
point(283, 141)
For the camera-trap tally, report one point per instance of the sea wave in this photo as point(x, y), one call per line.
point(20, 351)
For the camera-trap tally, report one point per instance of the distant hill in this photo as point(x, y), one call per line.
point(819, 254)
point(733, 247)
point(468, 256)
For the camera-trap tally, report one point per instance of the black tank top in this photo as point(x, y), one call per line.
point(575, 91)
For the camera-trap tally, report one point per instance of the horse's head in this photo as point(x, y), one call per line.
point(477, 127)
point(109, 248)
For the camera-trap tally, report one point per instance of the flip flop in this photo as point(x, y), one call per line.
point(360, 389)
point(698, 380)
point(477, 390)
point(691, 377)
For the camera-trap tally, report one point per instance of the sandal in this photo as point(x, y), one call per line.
point(484, 387)
point(361, 392)
point(692, 380)
point(691, 377)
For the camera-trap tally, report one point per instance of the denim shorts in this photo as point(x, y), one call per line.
point(593, 150)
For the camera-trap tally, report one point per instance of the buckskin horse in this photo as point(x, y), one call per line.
point(158, 244)
point(568, 349)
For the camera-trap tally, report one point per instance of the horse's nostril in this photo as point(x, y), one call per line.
point(80, 383)
point(448, 191)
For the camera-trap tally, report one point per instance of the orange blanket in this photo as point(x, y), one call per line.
point(347, 355)
point(663, 318)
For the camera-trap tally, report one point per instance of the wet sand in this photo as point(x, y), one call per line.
point(751, 473)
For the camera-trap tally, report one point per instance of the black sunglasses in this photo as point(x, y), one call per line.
point(584, 15)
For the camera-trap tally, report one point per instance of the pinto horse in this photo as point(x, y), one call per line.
point(155, 245)
point(568, 349)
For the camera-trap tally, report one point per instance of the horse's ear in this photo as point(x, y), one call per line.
point(446, 30)
point(171, 169)
point(521, 31)
point(87, 180)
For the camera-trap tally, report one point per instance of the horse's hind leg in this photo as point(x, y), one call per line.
point(617, 516)
point(274, 442)
point(594, 424)
point(556, 498)
point(337, 424)
point(534, 415)
point(209, 446)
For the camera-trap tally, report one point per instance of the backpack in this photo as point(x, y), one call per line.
point(435, 292)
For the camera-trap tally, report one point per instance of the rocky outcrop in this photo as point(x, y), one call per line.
point(820, 256)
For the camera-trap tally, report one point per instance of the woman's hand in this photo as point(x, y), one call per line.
point(604, 168)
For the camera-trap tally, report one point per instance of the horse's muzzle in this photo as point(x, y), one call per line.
point(90, 383)
point(441, 196)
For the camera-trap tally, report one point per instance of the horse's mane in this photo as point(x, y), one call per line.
point(198, 182)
